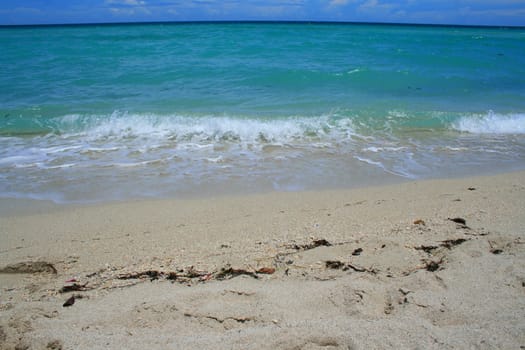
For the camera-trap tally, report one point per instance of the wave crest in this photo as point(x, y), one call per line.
point(491, 123)
point(207, 129)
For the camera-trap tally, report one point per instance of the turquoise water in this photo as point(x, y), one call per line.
point(90, 113)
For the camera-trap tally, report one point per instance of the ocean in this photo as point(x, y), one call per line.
point(94, 113)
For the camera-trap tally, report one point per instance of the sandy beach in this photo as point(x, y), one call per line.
point(434, 264)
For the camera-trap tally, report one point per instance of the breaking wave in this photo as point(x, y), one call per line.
point(491, 123)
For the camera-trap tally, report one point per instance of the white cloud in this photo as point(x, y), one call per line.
point(375, 8)
point(126, 2)
point(128, 8)
point(338, 2)
point(369, 4)
point(130, 11)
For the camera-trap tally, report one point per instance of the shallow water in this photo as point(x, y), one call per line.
point(91, 113)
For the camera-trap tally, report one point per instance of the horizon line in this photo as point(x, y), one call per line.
point(325, 22)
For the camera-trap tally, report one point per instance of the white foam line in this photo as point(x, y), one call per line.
point(380, 165)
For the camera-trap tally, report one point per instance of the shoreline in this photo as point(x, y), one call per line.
point(10, 206)
point(340, 265)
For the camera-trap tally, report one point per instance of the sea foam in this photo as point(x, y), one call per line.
point(492, 123)
point(204, 129)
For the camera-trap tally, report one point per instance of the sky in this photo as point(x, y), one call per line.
point(464, 12)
